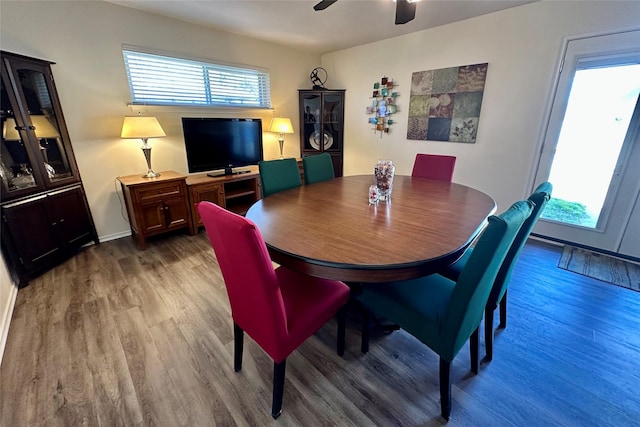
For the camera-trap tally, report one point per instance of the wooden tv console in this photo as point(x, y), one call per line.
point(234, 192)
point(168, 202)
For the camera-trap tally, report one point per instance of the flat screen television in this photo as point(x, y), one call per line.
point(221, 144)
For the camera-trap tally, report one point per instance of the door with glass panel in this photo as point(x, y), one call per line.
point(591, 150)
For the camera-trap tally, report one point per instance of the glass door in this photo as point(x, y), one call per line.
point(333, 115)
point(312, 120)
point(16, 169)
point(35, 142)
point(591, 137)
point(44, 123)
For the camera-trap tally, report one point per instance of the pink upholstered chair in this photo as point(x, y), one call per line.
point(434, 166)
point(278, 308)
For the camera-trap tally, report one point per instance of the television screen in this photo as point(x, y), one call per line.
point(221, 143)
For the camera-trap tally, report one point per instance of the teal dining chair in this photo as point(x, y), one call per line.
point(441, 313)
point(498, 295)
point(317, 168)
point(278, 175)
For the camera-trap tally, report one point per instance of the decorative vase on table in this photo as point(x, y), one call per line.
point(384, 171)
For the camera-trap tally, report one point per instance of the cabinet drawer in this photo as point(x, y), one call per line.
point(150, 193)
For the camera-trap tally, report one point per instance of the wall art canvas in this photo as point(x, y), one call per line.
point(444, 104)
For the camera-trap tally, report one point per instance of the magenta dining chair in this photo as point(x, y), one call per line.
point(278, 308)
point(434, 166)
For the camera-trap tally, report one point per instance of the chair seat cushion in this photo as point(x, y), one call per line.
point(309, 302)
point(419, 305)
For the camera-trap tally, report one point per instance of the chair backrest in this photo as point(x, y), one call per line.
point(434, 166)
point(278, 175)
point(317, 168)
point(469, 297)
point(252, 286)
point(539, 197)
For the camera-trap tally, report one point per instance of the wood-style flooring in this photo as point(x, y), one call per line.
point(122, 337)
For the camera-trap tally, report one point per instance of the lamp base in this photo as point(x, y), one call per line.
point(146, 149)
point(281, 142)
point(151, 174)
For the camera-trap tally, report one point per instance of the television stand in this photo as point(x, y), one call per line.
point(235, 192)
point(227, 171)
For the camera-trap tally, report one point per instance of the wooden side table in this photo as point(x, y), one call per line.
point(156, 205)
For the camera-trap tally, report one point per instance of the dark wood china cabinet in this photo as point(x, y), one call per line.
point(45, 214)
point(322, 121)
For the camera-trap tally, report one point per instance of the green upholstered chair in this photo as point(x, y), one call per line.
point(278, 175)
point(498, 295)
point(317, 168)
point(444, 314)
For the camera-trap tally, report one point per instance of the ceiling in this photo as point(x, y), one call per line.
point(294, 23)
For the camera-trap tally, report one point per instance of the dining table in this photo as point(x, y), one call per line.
point(330, 230)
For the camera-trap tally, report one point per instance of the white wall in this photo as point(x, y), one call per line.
point(85, 38)
point(8, 293)
point(522, 46)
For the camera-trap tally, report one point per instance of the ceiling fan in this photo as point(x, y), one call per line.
point(405, 9)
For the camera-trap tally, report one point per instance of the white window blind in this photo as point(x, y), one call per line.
point(165, 80)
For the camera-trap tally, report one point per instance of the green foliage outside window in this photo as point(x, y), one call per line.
point(569, 212)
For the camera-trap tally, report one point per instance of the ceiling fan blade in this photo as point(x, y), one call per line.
point(324, 4)
point(405, 11)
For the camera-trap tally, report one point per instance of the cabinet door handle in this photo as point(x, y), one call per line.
point(62, 220)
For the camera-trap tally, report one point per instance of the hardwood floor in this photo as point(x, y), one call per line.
point(118, 336)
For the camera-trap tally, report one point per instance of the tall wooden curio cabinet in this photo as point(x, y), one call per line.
point(45, 214)
point(322, 122)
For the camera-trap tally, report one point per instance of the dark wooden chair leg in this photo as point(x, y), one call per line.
point(366, 330)
point(238, 340)
point(488, 332)
point(278, 388)
point(474, 340)
point(503, 311)
point(445, 388)
point(342, 326)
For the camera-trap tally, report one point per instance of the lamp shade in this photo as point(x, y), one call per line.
point(281, 125)
point(43, 127)
point(141, 127)
point(9, 131)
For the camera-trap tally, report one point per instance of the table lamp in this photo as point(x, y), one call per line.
point(143, 128)
point(9, 131)
point(44, 130)
point(281, 125)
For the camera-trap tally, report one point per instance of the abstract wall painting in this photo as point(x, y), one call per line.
point(444, 104)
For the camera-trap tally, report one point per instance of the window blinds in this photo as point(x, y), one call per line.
point(164, 80)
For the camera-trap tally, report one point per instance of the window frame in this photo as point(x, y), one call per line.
point(153, 77)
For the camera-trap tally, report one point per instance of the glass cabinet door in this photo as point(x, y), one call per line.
point(312, 116)
point(16, 169)
point(35, 142)
point(44, 124)
point(332, 121)
point(322, 119)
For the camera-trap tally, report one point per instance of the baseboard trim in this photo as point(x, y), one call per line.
point(6, 318)
point(561, 242)
point(115, 236)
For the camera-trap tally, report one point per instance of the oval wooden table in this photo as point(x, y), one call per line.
point(329, 230)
